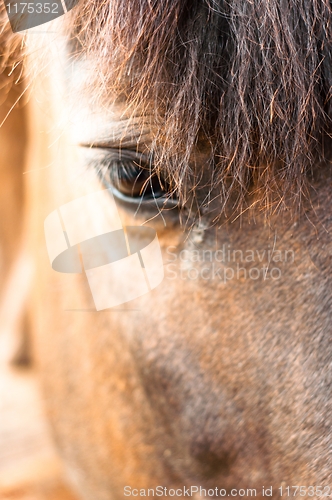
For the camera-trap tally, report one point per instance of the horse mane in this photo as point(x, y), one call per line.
point(245, 84)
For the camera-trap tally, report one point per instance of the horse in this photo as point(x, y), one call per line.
point(203, 126)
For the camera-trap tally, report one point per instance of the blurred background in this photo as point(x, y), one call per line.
point(29, 466)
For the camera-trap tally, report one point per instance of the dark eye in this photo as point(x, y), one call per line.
point(132, 176)
point(136, 179)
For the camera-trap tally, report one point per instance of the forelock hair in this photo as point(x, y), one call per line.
point(248, 81)
point(245, 83)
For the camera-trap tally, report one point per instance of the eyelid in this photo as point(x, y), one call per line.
point(161, 201)
point(100, 158)
point(118, 152)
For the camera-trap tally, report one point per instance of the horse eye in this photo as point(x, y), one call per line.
point(135, 180)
